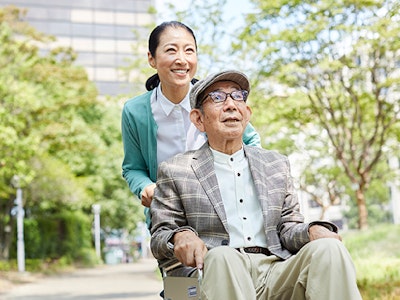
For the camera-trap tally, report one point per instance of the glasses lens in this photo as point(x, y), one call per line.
point(218, 97)
point(237, 95)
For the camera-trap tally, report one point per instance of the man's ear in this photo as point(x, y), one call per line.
point(197, 118)
point(249, 113)
point(151, 60)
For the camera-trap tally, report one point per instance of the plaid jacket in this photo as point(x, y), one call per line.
point(187, 196)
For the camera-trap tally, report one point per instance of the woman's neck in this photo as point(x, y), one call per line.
point(175, 94)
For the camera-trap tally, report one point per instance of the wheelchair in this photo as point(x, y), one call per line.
point(181, 288)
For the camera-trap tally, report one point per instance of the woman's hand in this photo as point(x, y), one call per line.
point(147, 194)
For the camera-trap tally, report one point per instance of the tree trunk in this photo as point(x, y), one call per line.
point(362, 210)
point(324, 208)
point(5, 250)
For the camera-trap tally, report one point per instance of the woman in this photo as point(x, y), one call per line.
point(156, 125)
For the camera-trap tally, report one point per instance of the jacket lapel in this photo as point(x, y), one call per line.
point(203, 168)
point(260, 175)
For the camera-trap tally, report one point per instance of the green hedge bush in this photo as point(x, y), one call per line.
point(66, 235)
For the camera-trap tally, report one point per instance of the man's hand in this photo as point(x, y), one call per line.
point(189, 249)
point(147, 194)
point(319, 232)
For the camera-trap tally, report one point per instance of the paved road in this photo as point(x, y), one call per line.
point(139, 281)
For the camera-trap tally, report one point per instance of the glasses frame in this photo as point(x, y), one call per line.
point(245, 94)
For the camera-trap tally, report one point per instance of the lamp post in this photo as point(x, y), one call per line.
point(96, 210)
point(20, 224)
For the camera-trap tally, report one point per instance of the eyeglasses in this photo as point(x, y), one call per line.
point(220, 97)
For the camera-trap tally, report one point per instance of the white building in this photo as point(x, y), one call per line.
point(100, 31)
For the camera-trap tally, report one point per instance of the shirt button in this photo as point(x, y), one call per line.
point(249, 238)
point(231, 158)
point(238, 174)
point(244, 218)
point(241, 200)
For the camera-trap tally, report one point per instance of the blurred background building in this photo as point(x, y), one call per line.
point(100, 31)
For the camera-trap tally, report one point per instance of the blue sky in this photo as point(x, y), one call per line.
point(233, 7)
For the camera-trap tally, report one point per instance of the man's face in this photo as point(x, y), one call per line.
point(224, 121)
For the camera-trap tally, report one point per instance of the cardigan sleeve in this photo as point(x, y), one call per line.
point(139, 166)
point(251, 137)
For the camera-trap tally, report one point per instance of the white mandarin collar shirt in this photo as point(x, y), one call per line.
point(242, 207)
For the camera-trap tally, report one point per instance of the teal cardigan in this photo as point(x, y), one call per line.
point(139, 136)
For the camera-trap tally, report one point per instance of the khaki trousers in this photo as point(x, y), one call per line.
point(321, 270)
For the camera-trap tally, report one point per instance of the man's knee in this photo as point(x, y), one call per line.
point(326, 246)
point(219, 254)
point(328, 251)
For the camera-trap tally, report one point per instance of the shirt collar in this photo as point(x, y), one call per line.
point(223, 158)
point(167, 106)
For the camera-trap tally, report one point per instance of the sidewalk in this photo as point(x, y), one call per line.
point(139, 280)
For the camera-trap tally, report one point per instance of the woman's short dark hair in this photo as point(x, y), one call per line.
point(154, 41)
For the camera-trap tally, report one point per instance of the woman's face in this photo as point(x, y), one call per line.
point(176, 57)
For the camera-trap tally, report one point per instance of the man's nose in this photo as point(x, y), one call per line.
point(229, 103)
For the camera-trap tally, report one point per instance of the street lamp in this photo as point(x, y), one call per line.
point(96, 210)
point(15, 181)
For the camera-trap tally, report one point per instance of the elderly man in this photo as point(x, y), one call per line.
point(231, 210)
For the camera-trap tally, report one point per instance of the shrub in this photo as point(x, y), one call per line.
point(62, 235)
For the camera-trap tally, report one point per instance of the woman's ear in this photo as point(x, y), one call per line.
point(151, 60)
point(197, 118)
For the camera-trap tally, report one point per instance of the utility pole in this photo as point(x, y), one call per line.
point(20, 225)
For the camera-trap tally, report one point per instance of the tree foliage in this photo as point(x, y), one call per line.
point(324, 83)
point(56, 134)
point(330, 68)
point(214, 27)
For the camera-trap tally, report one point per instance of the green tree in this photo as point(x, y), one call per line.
point(18, 143)
point(214, 29)
point(55, 133)
point(330, 67)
